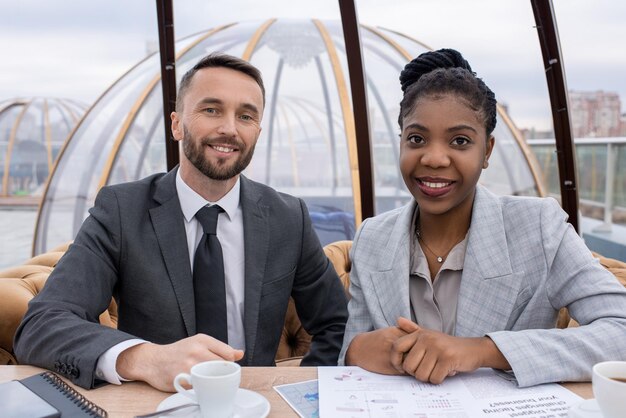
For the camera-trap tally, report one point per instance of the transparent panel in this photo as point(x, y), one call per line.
point(384, 59)
point(134, 152)
point(303, 149)
point(545, 151)
point(595, 79)
point(7, 121)
point(72, 187)
point(28, 165)
point(509, 172)
point(620, 183)
point(39, 127)
point(60, 122)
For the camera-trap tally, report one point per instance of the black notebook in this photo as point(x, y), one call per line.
point(45, 395)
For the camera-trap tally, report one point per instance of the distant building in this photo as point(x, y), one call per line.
point(532, 133)
point(596, 114)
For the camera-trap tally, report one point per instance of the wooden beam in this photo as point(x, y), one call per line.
point(350, 24)
point(557, 87)
point(165, 18)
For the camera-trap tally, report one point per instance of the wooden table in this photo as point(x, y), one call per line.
point(136, 398)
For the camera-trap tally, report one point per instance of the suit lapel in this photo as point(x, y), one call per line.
point(489, 287)
point(167, 220)
point(256, 232)
point(394, 269)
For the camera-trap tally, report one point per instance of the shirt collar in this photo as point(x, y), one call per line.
point(191, 202)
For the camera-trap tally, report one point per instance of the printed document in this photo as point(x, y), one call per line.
point(353, 392)
point(302, 397)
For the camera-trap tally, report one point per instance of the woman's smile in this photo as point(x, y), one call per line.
point(434, 186)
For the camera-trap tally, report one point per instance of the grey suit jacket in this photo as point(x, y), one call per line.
point(523, 263)
point(133, 247)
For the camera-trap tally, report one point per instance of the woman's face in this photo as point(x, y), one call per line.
point(443, 149)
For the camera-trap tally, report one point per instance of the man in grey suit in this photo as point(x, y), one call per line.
point(139, 243)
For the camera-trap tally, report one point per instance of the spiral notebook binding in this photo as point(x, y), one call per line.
point(90, 408)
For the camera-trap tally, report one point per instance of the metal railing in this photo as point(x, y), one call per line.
point(601, 166)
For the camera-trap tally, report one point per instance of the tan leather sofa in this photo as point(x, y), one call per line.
point(18, 285)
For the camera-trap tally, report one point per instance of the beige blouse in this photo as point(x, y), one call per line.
point(433, 305)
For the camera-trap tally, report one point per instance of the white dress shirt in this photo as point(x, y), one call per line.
point(230, 235)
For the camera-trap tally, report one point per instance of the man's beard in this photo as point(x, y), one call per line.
point(194, 151)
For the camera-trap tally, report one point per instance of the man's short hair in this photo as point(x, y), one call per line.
point(218, 59)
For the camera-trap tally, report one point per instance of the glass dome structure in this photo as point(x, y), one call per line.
point(308, 144)
point(32, 133)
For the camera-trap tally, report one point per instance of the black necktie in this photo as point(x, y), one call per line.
point(208, 278)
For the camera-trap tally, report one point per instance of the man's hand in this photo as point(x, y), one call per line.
point(372, 350)
point(432, 356)
point(159, 364)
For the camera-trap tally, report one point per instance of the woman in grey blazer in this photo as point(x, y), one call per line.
point(460, 278)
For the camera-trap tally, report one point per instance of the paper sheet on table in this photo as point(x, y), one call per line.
point(354, 392)
point(302, 397)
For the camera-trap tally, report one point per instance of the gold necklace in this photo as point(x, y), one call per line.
point(440, 259)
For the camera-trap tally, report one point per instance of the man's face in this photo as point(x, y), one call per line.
point(220, 122)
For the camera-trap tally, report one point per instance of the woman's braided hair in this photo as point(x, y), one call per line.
point(442, 72)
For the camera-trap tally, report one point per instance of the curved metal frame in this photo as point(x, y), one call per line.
point(7, 162)
point(360, 156)
point(272, 116)
point(256, 38)
point(331, 130)
point(47, 133)
point(348, 121)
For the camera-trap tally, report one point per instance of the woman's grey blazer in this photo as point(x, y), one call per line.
point(523, 263)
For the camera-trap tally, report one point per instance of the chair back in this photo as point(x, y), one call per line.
point(19, 284)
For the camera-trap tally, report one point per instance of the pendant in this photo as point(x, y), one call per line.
point(440, 259)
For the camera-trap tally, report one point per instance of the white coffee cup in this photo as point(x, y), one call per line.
point(609, 392)
point(215, 384)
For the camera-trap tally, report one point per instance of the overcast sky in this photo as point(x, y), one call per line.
point(78, 48)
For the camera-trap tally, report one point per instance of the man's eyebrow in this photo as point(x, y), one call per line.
point(214, 100)
point(250, 107)
point(210, 100)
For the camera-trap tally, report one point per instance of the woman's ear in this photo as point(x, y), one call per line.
point(491, 141)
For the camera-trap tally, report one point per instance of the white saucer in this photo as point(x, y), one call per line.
point(248, 404)
point(586, 409)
